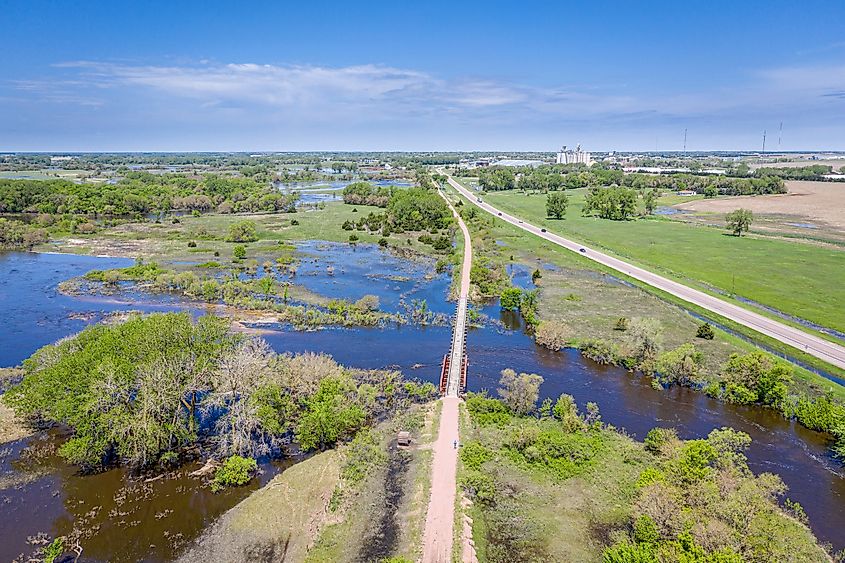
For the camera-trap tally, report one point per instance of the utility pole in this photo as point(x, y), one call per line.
point(780, 134)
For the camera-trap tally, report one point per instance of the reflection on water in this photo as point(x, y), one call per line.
point(51, 503)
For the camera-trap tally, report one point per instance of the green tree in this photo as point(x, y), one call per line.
point(128, 390)
point(239, 251)
point(556, 203)
point(519, 392)
point(650, 201)
point(330, 414)
point(242, 231)
point(739, 221)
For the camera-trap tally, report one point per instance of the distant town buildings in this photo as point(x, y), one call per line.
point(573, 157)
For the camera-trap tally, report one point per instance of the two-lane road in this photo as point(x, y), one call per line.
point(829, 352)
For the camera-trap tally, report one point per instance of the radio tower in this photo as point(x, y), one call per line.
point(780, 134)
point(764, 141)
point(685, 142)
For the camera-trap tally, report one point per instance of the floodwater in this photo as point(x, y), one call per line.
point(152, 521)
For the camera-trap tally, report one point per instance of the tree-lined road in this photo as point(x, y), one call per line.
point(822, 349)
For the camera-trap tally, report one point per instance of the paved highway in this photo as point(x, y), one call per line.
point(820, 348)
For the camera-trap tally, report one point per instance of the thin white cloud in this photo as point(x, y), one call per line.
point(361, 92)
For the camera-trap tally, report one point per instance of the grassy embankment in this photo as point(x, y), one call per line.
point(379, 506)
point(590, 299)
point(562, 487)
point(798, 279)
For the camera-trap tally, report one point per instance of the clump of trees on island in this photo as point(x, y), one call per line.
point(255, 293)
point(154, 390)
point(64, 207)
point(409, 209)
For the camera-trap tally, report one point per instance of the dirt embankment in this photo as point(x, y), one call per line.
point(277, 523)
point(10, 427)
point(822, 202)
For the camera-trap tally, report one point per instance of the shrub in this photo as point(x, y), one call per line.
point(599, 351)
point(53, 550)
point(705, 331)
point(536, 275)
point(192, 244)
point(554, 335)
point(294, 222)
point(645, 339)
point(474, 454)
point(353, 238)
point(363, 453)
point(235, 472)
point(368, 303)
point(382, 242)
point(242, 231)
point(479, 485)
point(239, 251)
point(622, 323)
point(680, 365)
point(511, 298)
point(442, 243)
point(658, 438)
point(486, 411)
point(566, 411)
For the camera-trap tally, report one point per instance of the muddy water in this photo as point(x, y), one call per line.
point(56, 496)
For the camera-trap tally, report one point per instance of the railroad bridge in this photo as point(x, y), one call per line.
point(453, 371)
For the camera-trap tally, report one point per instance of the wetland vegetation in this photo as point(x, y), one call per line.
point(141, 402)
point(552, 484)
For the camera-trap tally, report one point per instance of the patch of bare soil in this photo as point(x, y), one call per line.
point(11, 428)
point(276, 523)
point(822, 203)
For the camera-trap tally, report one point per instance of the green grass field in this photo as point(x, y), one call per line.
point(800, 279)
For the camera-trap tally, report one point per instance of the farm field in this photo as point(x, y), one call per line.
point(816, 208)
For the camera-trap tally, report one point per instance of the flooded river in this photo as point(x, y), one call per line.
point(151, 521)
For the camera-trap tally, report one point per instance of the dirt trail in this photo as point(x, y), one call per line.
point(440, 520)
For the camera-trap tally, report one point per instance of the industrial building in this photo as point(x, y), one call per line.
point(573, 157)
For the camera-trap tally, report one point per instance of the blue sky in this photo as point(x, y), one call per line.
point(172, 76)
